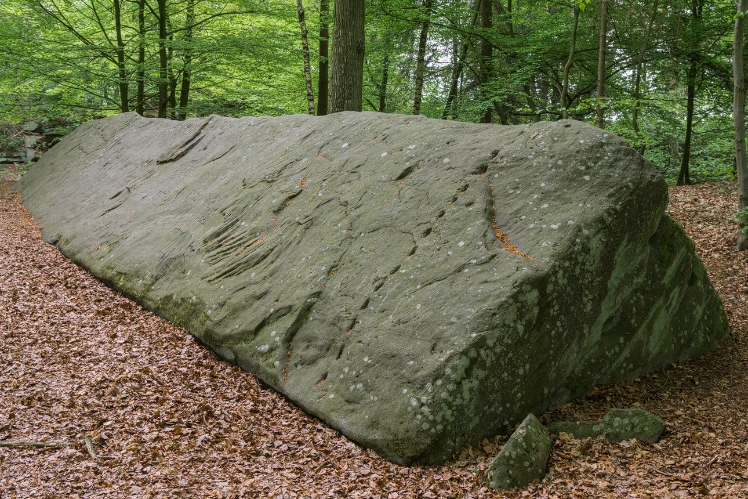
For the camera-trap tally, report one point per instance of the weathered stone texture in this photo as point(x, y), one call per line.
point(413, 282)
point(617, 425)
point(523, 458)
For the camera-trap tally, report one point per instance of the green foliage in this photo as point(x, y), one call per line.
point(741, 217)
point(244, 58)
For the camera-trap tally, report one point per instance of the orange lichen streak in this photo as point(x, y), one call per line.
point(508, 246)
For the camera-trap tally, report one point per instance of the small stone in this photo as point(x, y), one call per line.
point(617, 425)
point(507, 473)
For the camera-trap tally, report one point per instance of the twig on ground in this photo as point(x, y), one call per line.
point(90, 448)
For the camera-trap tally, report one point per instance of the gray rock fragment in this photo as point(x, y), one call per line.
point(523, 457)
point(617, 425)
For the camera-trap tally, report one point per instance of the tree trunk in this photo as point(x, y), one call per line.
point(163, 76)
point(738, 113)
point(324, 57)
point(602, 51)
point(122, 83)
point(459, 63)
point(684, 176)
point(567, 67)
point(421, 59)
point(346, 87)
point(486, 56)
point(305, 53)
point(638, 76)
point(385, 77)
point(140, 72)
point(184, 89)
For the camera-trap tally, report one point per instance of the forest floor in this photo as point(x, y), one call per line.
point(133, 407)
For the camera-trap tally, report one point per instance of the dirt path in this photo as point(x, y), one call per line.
point(165, 418)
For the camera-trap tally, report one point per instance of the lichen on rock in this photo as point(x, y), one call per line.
point(523, 458)
point(413, 303)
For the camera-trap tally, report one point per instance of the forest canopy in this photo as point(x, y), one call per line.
point(656, 72)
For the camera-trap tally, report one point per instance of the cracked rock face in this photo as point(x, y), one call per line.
point(413, 282)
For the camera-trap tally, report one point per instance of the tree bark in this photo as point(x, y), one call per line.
point(184, 89)
point(602, 52)
point(305, 53)
point(346, 87)
point(163, 76)
point(567, 67)
point(459, 63)
point(638, 76)
point(140, 72)
point(486, 56)
point(421, 58)
point(684, 175)
point(122, 83)
point(738, 113)
point(323, 84)
point(385, 76)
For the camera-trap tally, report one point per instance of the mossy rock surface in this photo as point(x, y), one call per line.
point(523, 458)
point(413, 282)
point(617, 425)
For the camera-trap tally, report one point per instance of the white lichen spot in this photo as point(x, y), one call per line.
point(272, 334)
point(276, 363)
point(405, 390)
point(461, 244)
point(384, 154)
point(445, 160)
point(586, 177)
point(331, 395)
point(344, 146)
point(542, 184)
point(545, 205)
point(412, 146)
point(264, 348)
point(554, 226)
point(418, 306)
point(366, 359)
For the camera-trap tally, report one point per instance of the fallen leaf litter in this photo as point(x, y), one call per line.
point(134, 407)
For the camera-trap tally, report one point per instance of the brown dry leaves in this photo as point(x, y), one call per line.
point(167, 419)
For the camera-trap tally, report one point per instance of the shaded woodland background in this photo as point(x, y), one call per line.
point(656, 72)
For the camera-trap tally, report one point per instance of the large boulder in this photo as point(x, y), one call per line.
point(415, 283)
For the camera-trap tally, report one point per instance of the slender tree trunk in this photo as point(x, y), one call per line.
point(346, 86)
point(602, 52)
point(567, 67)
point(459, 63)
point(184, 89)
point(123, 97)
point(140, 72)
point(738, 113)
point(421, 58)
point(638, 76)
point(385, 77)
point(529, 96)
point(305, 53)
point(486, 56)
point(163, 76)
point(684, 176)
point(323, 84)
